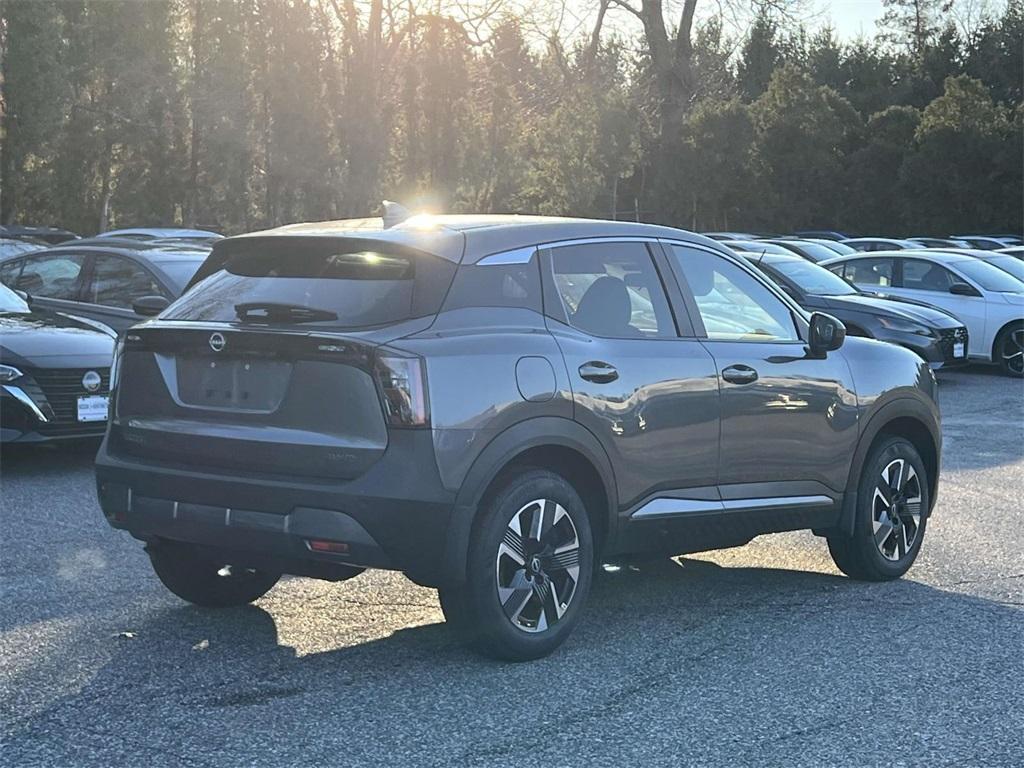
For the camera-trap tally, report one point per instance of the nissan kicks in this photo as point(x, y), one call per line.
point(494, 405)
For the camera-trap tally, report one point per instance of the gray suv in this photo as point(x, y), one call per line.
point(494, 405)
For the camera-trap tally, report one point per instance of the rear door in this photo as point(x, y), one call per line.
point(789, 420)
point(113, 284)
point(640, 382)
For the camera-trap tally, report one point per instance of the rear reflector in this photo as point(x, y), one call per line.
point(319, 545)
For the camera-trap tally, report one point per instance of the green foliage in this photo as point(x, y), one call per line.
point(242, 114)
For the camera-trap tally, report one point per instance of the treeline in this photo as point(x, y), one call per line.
point(242, 114)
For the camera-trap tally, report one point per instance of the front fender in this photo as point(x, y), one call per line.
point(904, 406)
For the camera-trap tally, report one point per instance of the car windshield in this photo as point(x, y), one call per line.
point(815, 251)
point(812, 279)
point(1008, 264)
point(989, 277)
point(180, 271)
point(12, 302)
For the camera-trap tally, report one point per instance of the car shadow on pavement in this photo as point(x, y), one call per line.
point(677, 635)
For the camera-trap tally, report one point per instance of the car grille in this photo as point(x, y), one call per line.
point(56, 392)
point(948, 337)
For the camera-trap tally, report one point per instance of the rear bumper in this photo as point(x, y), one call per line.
point(395, 516)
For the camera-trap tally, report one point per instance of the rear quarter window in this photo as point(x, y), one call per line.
point(496, 285)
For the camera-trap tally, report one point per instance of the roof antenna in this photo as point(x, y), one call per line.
point(394, 214)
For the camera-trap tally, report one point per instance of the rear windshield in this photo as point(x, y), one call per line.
point(343, 286)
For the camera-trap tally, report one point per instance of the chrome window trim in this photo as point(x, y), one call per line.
point(504, 258)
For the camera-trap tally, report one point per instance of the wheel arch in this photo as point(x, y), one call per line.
point(554, 443)
point(908, 418)
point(999, 334)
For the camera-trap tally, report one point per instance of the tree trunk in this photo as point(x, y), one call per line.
point(197, 42)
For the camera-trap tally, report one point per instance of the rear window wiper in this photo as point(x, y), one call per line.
point(273, 312)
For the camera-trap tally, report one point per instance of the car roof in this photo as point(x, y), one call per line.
point(453, 236)
point(161, 232)
point(138, 254)
point(938, 255)
point(877, 240)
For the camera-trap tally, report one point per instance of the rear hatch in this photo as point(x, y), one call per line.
point(271, 364)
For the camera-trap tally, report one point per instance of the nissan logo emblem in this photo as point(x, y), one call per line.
point(91, 381)
point(217, 342)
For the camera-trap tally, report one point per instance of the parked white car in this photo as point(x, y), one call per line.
point(152, 233)
point(880, 244)
point(989, 301)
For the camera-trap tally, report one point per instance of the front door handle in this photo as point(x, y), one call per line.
point(740, 374)
point(598, 372)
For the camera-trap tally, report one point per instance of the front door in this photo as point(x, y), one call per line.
point(789, 420)
point(640, 383)
point(926, 281)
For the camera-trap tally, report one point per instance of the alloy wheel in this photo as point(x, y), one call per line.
point(1012, 351)
point(896, 510)
point(538, 565)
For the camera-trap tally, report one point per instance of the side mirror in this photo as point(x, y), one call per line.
point(827, 334)
point(150, 306)
point(25, 296)
point(963, 289)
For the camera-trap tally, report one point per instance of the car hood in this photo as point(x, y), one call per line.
point(41, 334)
point(908, 310)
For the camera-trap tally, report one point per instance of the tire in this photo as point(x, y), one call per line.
point(207, 582)
point(524, 593)
point(880, 550)
point(1008, 352)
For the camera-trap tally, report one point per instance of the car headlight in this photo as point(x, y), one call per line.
point(9, 373)
point(905, 326)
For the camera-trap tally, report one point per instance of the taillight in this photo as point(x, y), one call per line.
point(403, 384)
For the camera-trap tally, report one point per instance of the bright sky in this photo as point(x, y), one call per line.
point(849, 18)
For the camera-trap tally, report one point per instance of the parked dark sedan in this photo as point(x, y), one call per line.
point(809, 250)
point(52, 235)
point(54, 373)
point(938, 337)
point(101, 283)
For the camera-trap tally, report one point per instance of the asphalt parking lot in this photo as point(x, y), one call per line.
point(761, 655)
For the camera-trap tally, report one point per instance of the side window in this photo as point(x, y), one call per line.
point(924, 276)
point(117, 282)
point(53, 276)
point(870, 272)
point(9, 272)
point(496, 285)
point(732, 303)
point(612, 290)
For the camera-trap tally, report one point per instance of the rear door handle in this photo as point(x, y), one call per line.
point(598, 372)
point(740, 374)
